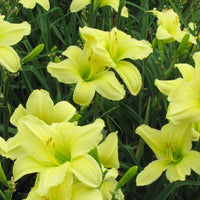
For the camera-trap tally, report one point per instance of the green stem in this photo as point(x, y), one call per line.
point(2, 195)
point(5, 106)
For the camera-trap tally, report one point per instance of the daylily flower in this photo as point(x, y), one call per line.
point(169, 27)
point(10, 34)
point(76, 5)
point(77, 190)
point(172, 147)
point(184, 94)
point(170, 87)
point(119, 45)
point(32, 3)
point(87, 69)
point(39, 104)
point(53, 151)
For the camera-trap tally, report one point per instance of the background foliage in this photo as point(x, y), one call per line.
point(57, 29)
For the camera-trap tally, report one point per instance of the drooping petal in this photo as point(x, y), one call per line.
point(9, 59)
point(130, 75)
point(19, 112)
point(52, 176)
point(194, 161)
point(65, 71)
point(82, 139)
point(108, 151)
point(187, 71)
point(27, 165)
point(167, 86)
point(151, 172)
point(83, 192)
point(64, 111)
point(12, 33)
point(153, 139)
point(78, 5)
point(83, 93)
point(108, 86)
point(87, 170)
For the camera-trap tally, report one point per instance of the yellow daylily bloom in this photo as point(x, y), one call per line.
point(78, 5)
point(10, 34)
point(172, 147)
point(170, 87)
point(87, 69)
point(119, 45)
point(39, 104)
point(169, 27)
point(184, 100)
point(32, 3)
point(56, 150)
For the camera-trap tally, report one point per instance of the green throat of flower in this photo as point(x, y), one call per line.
point(172, 154)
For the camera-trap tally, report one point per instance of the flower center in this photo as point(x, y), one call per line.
point(174, 156)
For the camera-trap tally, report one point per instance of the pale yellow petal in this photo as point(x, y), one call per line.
point(186, 70)
point(83, 192)
point(151, 172)
point(87, 170)
point(153, 138)
point(12, 33)
point(82, 139)
point(27, 165)
point(128, 47)
point(108, 151)
point(108, 86)
point(65, 71)
point(167, 86)
point(194, 161)
point(84, 93)
point(178, 171)
point(78, 5)
point(63, 111)
point(3, 147)
point(52, 176)
point(39, 104)
point(72, 52)
point(44, 4)
point(130, 75)
point(19, 112)
point(28, 4)
point(9, 59)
